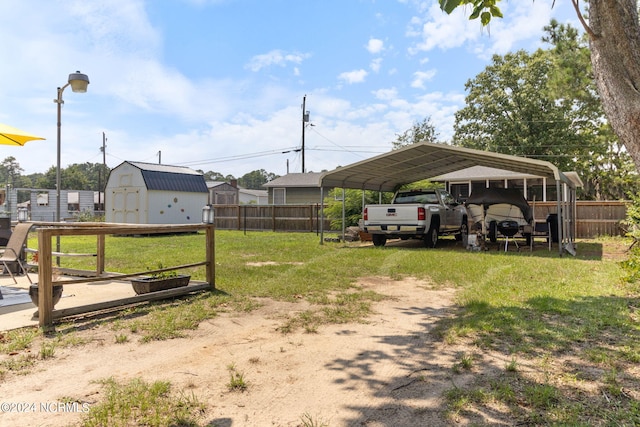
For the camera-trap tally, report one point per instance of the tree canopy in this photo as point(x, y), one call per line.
point(544, 105)
point(423, 131)
point(614, 42)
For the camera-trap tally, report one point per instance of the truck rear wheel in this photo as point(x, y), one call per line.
point(379, 239)
point(431, 238)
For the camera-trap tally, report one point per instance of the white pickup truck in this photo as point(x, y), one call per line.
point(417, 214)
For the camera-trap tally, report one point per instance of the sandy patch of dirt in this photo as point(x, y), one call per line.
point(388, 371)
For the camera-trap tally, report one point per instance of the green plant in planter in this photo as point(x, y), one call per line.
point(163, 274)
point(159, 281)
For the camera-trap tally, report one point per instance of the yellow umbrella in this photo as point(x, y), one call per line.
point(12, 136)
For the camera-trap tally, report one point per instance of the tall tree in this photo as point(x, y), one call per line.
point(510, 110)
point(78, 176)
point(423, 131)
point(10, 172)
point(606, 167)
point(215, 176)
point(614, 39)
point(256, 179)
point(544, 105)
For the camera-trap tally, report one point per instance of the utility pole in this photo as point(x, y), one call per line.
point(305, 120)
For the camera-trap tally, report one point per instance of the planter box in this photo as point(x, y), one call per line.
point(144, 285)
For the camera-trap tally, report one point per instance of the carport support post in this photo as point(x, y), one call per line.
point(211, 256)
point(322, 215)
point(560, 220)
point(344, 226)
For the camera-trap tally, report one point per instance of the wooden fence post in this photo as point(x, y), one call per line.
point(100, 254)
point(45, 287)
point(273, 217)
point(211, 256)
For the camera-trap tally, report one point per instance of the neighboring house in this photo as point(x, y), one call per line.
point(81, 201)
point(147, 193)
point(223, 193)
point(41, 203)
point(253, 197)
point(461, 183)
point(295, 189)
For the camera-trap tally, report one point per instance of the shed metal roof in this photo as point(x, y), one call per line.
point(171, 178)
point(415, 162)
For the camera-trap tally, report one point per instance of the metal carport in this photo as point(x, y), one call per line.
point(387, 172)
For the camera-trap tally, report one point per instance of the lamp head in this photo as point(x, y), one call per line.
point(208, 214)
point(78, 82)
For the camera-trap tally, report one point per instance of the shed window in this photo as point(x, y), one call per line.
point(42, 199)
point(73, 201)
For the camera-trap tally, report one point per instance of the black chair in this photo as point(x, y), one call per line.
point(508, 228)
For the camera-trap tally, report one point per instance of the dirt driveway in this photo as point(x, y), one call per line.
point(389, 371)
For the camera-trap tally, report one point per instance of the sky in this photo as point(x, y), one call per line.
point(218, 85)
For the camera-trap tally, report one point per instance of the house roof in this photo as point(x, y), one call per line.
point(214, 184)
point(425, 160)
point(309, 179)
point(171, 178)
point(256, 193)
point(479, 173)
point(476, 173)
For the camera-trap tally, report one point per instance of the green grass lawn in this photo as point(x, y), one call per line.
point(528, 306)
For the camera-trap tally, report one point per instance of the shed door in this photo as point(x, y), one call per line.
point(126, 205)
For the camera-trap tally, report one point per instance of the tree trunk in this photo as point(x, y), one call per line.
point(614, 33)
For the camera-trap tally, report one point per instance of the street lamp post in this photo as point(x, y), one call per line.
point(78, 83)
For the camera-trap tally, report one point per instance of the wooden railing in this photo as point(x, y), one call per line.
point(47, 231)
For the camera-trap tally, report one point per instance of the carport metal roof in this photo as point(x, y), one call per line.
point(387, 172)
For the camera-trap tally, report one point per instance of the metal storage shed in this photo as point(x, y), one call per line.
point(387, 172)
point(147, 193)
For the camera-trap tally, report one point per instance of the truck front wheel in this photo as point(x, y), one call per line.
point(379, 239)
point(431, 238)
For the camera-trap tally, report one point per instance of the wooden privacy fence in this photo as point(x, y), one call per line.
point(270, 217)
point(592, 218)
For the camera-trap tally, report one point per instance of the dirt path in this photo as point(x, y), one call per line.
point(389, 371)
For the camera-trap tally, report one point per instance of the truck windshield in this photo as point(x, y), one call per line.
point(422, 198)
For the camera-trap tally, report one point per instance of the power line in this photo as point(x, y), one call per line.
point(240, 156)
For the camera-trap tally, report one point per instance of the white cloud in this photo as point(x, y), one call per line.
point(275, 57)
point(436, 29)
point(386, 94)
point(356, 76)
point(375, 46)
point(439, 30)
point(420, 77)
point(524, 24)
point(375, 65)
